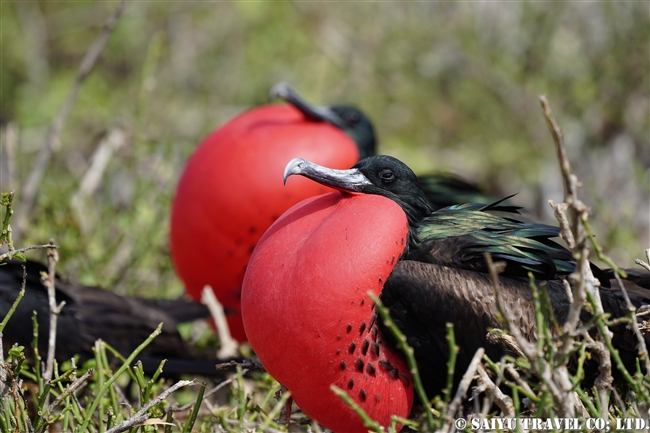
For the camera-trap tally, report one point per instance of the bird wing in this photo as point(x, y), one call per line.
point(446, 189)
point(92, 313)
point(423, 297)
point(459, 236)
point(637, 278)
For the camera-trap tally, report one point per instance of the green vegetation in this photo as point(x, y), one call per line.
point(451, 87)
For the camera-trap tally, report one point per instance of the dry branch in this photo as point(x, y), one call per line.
point(48, 282)
point(33, 181)
point(142, 415)
point(229, 346)
point(463, 386)
point(583, 279)
point(500, 399)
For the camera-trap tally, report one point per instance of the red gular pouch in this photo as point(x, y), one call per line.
point(309, 318)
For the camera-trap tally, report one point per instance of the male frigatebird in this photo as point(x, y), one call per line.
point(92, 313)
point(441, 189)
point(310, 321)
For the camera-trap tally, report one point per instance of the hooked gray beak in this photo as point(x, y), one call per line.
point(351, 180)
point(314, 113)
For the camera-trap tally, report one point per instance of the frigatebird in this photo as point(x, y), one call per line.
point(442, 189)
point(91, 313)
point(306, 284)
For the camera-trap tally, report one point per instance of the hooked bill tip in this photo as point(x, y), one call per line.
point(280, 90)
point(293, 167)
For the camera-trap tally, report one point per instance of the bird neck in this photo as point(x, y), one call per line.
point(416, 211)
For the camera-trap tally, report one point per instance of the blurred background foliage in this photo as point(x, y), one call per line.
point(450, 87)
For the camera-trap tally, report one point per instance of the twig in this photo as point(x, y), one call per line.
point(142, 415)
point(517, 378)
point(583, 280)
point(451, 362)
point(526, 346)
point(578, 211)
point(285, 413)
point(559, 209)
point(27, 248)
point(71, 388)
point(555, 379)
point(5, 236)
point(229, 346)
point(367, 421)
point(252, 426)
point(114, 140)
point(282, 402)
point(48, 282)
point(247, 364)
point(37, 172)
point(92, 406)
point(569, 182)
point(463, 386)
point(643, 264)
point(206, 395)
point(633, 323)
point(408, 354)
point(503, 401)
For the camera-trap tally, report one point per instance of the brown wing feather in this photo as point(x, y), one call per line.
point(423, 297)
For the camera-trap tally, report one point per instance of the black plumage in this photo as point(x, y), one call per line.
point(442, 277)
point(92, 313)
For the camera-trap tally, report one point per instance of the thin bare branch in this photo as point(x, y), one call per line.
point(33, 181)
point(142, 415)
point(248, 364)
point(463, 386)
point(229, 346)
point(559, 209)
point(643, 349)
point(643, 264)
point(583, 279)
point(502, 401)
point(71, 388)
point(48, 282)
point(206, 395)
point(91, 181)
point(565, 166)
point(526, 346)
point(27, 248)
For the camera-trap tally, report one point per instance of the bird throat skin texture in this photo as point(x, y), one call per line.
point(231, 191)
point(307, 314)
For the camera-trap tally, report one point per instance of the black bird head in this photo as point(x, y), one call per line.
point(380, 175)
point(347, 118)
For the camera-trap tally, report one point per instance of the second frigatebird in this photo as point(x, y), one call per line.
point(309, 319)
point(91, 313)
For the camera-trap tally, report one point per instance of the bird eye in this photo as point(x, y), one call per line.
point(354, 117)
point(387, 175)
